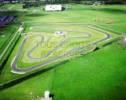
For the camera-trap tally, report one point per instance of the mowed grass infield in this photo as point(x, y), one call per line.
point(100, 75)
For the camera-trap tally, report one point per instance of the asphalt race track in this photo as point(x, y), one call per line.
point(16, 69)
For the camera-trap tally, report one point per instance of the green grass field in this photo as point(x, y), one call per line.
point(99, 75)
point(40, 48)
point(5, 35)
point(8, 36)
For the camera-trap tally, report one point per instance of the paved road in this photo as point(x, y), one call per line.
point(16, 69)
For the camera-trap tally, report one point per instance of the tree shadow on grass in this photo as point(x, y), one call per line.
point(18, 13)
point(19, 80)
point(11, 13)
point(35, 14)
point(112, 10)
point(118, 92)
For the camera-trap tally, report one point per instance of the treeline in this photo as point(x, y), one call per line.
point(104, 1)
point(86, 1)
point(67, 1)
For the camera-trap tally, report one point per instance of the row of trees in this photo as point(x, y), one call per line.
point(106, 1)
point(82, 1)
point(65, 1)
point(8, 1)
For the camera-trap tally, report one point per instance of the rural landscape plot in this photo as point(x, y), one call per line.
point(69, 53)
point(41, 46)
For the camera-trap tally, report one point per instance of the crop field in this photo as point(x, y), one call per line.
point(75, 54)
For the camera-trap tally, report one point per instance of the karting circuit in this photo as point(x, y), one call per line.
point(62, 50)
point(42, 48)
